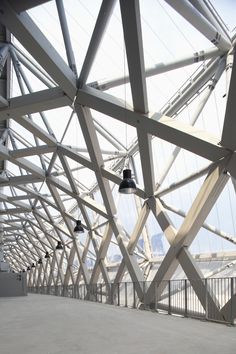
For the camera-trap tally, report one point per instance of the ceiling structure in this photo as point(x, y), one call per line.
point(66, 138)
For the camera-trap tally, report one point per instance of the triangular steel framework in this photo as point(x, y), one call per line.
point(32, 222)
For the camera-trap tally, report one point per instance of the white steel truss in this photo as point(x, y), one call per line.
point(42, 191)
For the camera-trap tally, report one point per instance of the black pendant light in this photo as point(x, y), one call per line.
point(127, 186)
point(47, 255)
point(40, 261)
point(32, 265)
point(28, 268)
point(59, 246)
point(23, 270)
point(78, 228)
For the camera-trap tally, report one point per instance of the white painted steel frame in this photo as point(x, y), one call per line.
point(30, 218)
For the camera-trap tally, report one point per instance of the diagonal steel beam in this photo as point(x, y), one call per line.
point(98, 32)
point(141, 220)
point(100, 254)
point(196, 279)
point(146, 156)
point(35, 102)
point(130, 14)
point(229, 128)
point(36, 130)
point(69, 268)
point(204, 201)
point(70, 227)
point(20, 6)
point(187, 262)
point(196, 19)
point(161, 68)
point(173, 131)
point(94, 150)
point(86, 201)
point(162, 218)
point(75, 189)
point(30, 36)
point(90, 136)
point(31, 151)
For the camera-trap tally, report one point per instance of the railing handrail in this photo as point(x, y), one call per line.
point(174, 298)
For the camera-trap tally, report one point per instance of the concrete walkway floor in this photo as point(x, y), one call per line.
point(55, 325)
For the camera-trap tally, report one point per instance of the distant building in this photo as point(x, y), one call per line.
point(157, 245)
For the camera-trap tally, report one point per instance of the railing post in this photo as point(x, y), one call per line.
point(126, 303)
point(206, 299)
point(111, 293)
point(77, 290)
point(144, 297)
point(155, 296)
point(185, 298)
point(118, 294)
point(134, 302)
point(96, 292)
point(108, 293)
point(232, 302)
point(169, 297)
point(90, 292)
point(101, 291)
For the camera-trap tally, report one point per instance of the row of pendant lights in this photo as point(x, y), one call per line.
point(40, 261)
point(127, 186)
point(78, 229)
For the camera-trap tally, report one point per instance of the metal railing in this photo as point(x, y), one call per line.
point(213, 299)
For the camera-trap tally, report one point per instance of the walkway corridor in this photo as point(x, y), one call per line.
point(40, 324)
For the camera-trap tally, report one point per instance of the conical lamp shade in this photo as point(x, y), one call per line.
point(59, 246)
point(47, 255)
point(127, 186)
point(78, 228)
